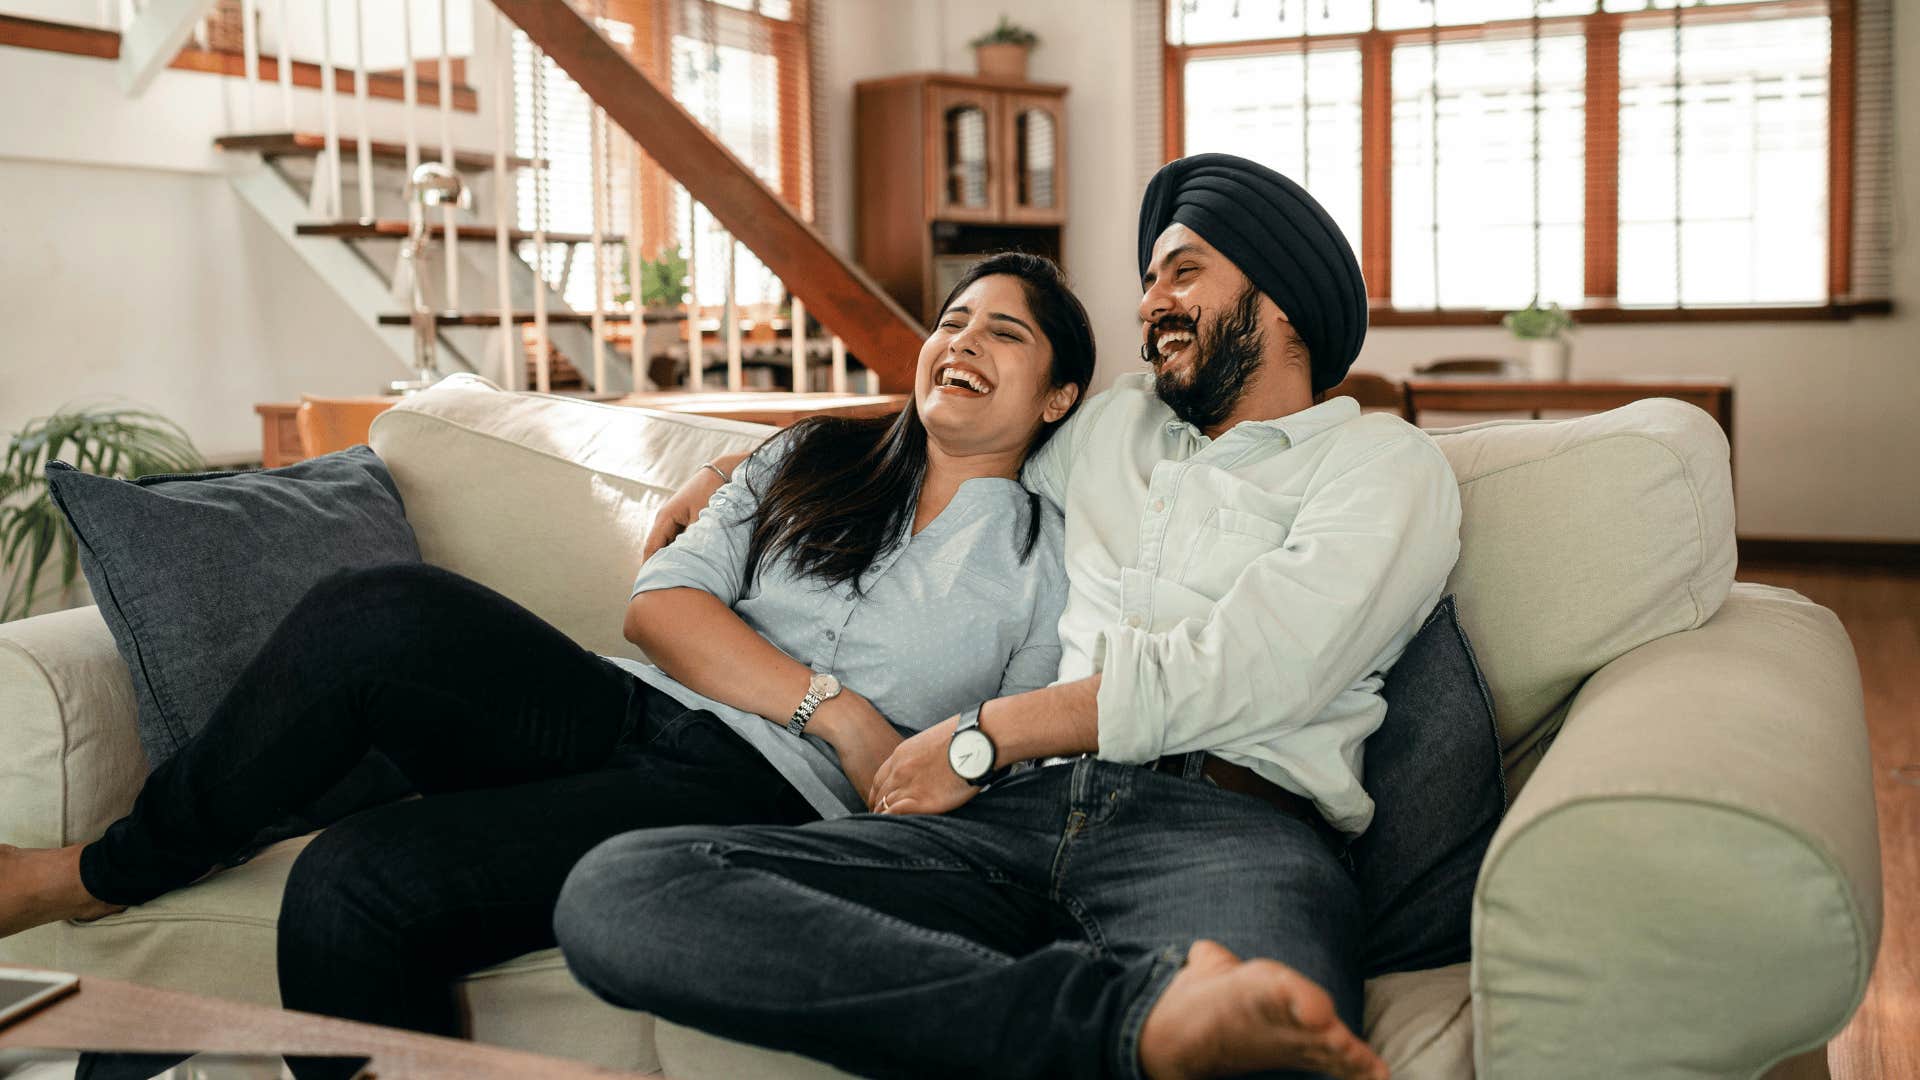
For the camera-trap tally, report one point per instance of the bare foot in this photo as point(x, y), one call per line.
point(42, 885)
point(1222, 1016)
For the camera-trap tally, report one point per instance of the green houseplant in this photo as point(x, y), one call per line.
point(107, 440)
point(1001, 53)
point(1544, 329)
point(663, 280)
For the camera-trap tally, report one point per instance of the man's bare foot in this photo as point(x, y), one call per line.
point(1223, 1016)
point(42, 885)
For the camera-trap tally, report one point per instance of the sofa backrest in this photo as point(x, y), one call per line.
point(1580, 539)
point(545, 499)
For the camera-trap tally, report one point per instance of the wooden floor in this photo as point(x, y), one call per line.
point(1881, 611)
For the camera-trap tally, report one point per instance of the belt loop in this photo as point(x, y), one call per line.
point(1194, 765)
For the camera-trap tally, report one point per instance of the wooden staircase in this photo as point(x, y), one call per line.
point(863, 320)
point(313, 144)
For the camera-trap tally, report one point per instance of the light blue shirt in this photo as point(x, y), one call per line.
point(943, 621)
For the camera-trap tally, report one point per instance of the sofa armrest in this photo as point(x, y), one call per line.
point(72, 760)
point(1689, 885)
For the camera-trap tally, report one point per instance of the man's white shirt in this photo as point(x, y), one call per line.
point(1244, 595)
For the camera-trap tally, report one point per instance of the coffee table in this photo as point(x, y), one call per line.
point(109, 1015)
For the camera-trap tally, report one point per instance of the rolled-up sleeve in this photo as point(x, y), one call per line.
point(711, 555)
point(1368, 552)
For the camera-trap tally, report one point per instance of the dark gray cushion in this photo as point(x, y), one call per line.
point(1434, 772)
point(193, 572)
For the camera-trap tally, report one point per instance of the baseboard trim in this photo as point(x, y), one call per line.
point(1882, 554)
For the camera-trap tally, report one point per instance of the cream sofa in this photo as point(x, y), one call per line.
point(1687, 883)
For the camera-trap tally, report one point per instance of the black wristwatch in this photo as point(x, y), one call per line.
point(970, 752)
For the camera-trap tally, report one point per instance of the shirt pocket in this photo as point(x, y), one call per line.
point(1228, 540)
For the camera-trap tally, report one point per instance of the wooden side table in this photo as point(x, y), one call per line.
point(280, 435)
point(1476, 394)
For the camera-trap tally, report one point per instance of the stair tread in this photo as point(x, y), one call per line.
point(301, 143)
point(397, 230)
point(492, 318)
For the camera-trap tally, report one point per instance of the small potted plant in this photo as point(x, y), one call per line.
point(107, 440)
point(1001, 53)
point(1544, 329)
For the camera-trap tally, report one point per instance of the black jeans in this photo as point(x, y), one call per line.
point(527, 749)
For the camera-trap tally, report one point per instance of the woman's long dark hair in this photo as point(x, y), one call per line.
point(846, 488)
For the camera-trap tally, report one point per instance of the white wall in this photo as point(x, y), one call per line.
point(1827, 427)
point(130, 268)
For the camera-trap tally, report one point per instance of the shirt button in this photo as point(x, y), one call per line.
point(831, 636)
point(1133, 621)
point(1159, 505)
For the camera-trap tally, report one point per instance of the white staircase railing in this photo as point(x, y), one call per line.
point(364, 32)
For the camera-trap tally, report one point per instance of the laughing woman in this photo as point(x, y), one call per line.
point(854, 580)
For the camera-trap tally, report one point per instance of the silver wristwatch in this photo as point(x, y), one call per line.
point(970, 752)
point(822, 687)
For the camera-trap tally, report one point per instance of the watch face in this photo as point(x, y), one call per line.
point(824, 686)
point(971, 754)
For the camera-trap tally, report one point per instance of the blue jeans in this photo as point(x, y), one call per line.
point(1026, 934)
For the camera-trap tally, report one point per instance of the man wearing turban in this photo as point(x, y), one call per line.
point(1159, 888)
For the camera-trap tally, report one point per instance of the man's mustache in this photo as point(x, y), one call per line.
point(1173, 321)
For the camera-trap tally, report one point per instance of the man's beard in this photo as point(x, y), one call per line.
point(1225, 357)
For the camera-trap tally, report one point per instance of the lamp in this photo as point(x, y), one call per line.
point(432, 184)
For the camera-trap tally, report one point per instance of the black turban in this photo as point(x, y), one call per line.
point(1279, 237)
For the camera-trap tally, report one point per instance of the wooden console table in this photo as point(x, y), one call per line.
point(280, 437)
point(1491, 394)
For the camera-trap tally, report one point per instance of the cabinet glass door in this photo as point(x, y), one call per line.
point(1036, 184)
point(965, 130)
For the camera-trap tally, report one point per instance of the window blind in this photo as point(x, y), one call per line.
point(1663, 153)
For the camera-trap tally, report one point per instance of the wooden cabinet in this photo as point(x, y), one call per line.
point(951, 168)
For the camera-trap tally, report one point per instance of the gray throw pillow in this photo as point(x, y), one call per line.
point(1433, 770)
point(192, 573)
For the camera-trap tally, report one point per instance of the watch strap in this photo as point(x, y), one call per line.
point(797, 723)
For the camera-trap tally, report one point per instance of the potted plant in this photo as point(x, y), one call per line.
point(1544, 329)
point(1001, 53)
point(110, 441)
point(663, 289)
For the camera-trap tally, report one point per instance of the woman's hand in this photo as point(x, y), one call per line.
point(859, 735)
point(685, 504)
point(918, 779)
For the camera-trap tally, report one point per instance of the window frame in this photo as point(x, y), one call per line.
point(1601, 31)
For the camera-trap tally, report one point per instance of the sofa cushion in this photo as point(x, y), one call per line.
point(1433, 770)
point(1581, 540)
point(545, 499)
point(193, 573)
point(216, 938)
point(1419, 1022)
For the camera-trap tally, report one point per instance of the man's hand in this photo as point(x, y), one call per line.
point(685, 504)
point(917, 779)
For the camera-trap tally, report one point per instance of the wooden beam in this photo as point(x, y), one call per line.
point(1602, 111)
point(1376, 165)
point(154, 38)
point(1840, 103)
point(886, 339)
